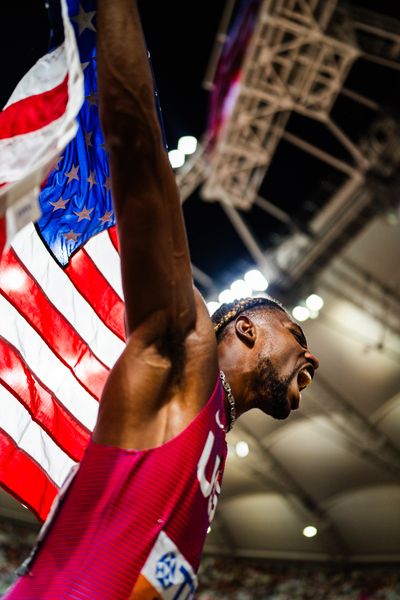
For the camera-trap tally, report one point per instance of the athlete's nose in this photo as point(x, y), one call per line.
point(313, 359)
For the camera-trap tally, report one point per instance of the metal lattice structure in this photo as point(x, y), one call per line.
point(292, 64)
point(297, 61)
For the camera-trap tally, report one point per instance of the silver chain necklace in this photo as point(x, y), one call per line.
point(231, 400)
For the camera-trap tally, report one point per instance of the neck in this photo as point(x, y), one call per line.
point(230, 407)
point(237, 374)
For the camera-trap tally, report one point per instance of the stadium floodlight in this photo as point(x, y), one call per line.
point(256, 280)
point(176, 158)
point(241, 289)
point(213, 306)
point(226, 296)
point(310, 531)
point(314, 302)
point(187, 144)
point(242, 449)
point(301, 313)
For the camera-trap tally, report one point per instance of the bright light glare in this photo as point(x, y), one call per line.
point(314, 302)
point(213, 306)
point(300, 313)
point(226, 296)
point(241, 289)
point(176, 158)
point(13, 278)
point(310, 531)
point(256, 280)
point(187, 144)
point(242, 449)
point(209, 529)
point(314, 314)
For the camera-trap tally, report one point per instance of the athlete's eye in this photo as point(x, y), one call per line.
point(300, 338)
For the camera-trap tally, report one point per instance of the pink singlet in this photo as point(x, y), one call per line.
point(132, 523)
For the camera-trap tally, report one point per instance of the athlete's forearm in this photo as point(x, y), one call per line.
point(127, 103)
point(154, 252)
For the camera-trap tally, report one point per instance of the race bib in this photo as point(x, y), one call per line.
point(166, 575)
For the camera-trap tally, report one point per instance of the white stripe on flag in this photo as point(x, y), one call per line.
point(48, 72)
point(104, 255)
point(46, 366)
point(32, 146)
point(22, 176)
point(30, 437)
point(65, 297)
point(76, 94)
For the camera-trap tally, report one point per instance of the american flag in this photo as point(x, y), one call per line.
point(61, 301)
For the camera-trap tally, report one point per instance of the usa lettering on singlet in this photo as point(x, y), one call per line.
point(167, 575)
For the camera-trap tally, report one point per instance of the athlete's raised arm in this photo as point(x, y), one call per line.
point(156, 270)
point(169, 366)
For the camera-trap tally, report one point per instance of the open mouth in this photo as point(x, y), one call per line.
point(305, 377)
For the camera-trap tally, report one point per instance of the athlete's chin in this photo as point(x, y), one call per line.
point(278, 399)
point(281, 412)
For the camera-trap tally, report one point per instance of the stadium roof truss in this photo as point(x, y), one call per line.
point(298, 60)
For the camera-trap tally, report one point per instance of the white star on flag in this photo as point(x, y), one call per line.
point(72, 174)
point(84, 20)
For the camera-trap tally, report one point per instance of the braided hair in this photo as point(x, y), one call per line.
point(229, 311)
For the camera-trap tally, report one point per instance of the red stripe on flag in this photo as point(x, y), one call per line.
point(42, 404)
point(34, 112)
point(3, 233)
point(96, 290)
point(24, 478)
point(112, 232)
point(32, 303)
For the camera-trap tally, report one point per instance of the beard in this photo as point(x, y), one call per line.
point(269, 391)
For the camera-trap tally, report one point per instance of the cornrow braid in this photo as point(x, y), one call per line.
point(229, 311)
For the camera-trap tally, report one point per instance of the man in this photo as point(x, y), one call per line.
point(133, 521)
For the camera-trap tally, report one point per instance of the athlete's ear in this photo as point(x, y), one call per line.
point(246, 330)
